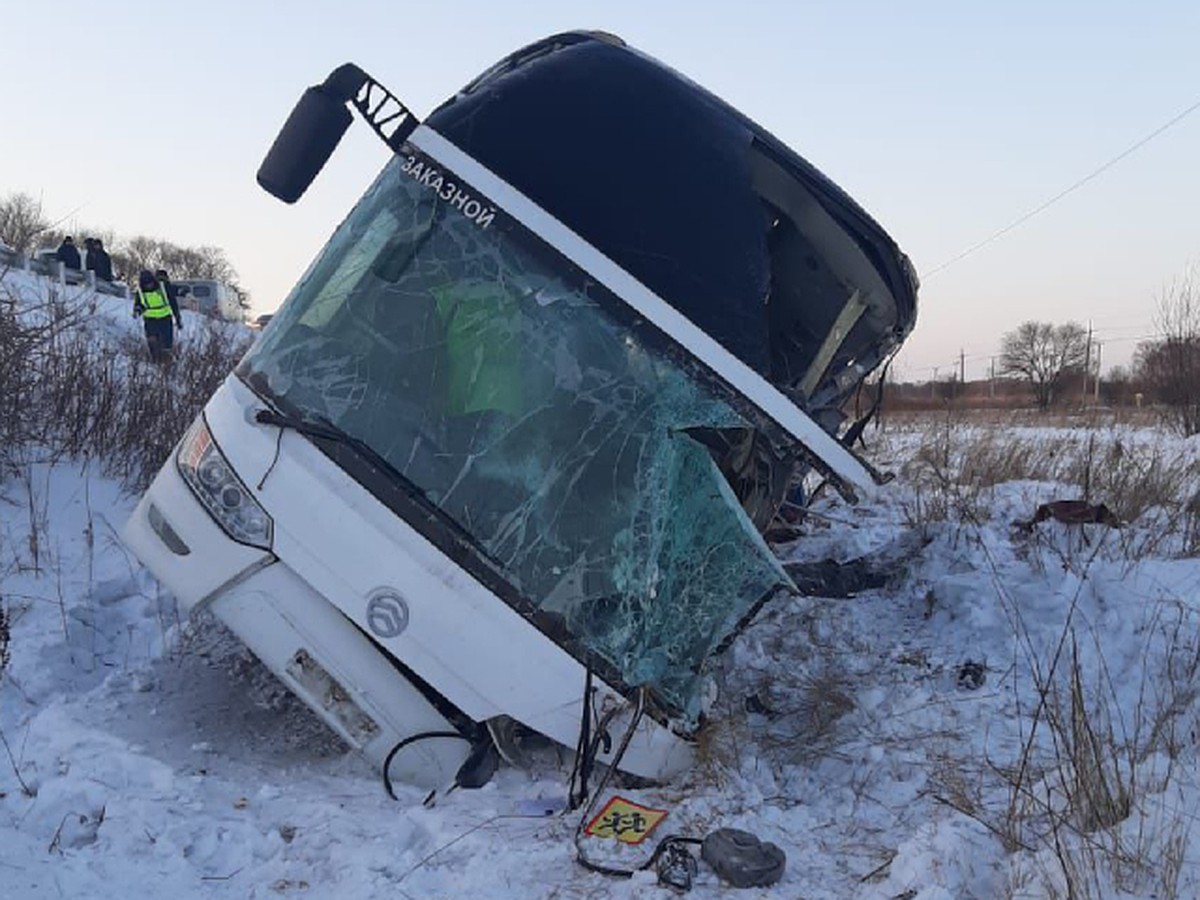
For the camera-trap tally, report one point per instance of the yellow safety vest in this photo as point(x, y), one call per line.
point(155, 304)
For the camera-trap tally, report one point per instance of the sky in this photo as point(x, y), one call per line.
point(946, 120)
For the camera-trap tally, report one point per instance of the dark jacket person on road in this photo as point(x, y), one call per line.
point(68, 253)
point(156, 305)
point(99, 261)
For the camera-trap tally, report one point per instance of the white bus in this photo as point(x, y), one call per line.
point(501, 466)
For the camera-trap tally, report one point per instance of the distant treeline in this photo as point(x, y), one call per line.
point(25, 228)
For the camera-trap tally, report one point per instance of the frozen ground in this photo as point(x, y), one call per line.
point(1012, 710)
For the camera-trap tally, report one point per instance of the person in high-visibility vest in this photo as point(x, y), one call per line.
point(157, 307)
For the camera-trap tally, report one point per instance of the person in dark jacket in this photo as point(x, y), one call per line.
point(165, 280)
point(156, 305)
point(68, 253)
point(99, 261)
point(89, 255)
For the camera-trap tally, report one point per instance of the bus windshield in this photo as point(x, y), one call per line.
point(538, 414)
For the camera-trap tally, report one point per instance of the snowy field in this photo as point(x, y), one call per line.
point(998, 711)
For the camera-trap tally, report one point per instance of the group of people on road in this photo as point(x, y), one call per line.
point(95, 257)
point(155, 299)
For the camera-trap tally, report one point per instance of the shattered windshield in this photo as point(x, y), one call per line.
point(524, 401)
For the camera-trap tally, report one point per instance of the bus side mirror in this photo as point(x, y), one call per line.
point(304, 144)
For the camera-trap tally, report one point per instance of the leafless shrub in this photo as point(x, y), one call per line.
point(127, 411)
point(71, 393)
point(1169, 367)
point(21, 221)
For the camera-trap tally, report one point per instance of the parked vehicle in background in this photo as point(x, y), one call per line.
point(211, 298)
point(261, 321)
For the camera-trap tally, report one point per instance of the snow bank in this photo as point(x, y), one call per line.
point(875, 738)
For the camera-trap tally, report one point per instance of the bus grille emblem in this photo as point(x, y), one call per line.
point(387, 614)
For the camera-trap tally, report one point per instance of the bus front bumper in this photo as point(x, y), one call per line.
point(308, 644)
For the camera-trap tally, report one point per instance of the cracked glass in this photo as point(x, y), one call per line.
point(525, 402)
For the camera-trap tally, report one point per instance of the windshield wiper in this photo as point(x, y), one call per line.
point(303, 426)
point(323, 429)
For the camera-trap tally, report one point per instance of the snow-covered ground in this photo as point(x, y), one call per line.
point(913, 741)
point(109, 318)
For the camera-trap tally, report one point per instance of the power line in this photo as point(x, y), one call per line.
point(1063, 193)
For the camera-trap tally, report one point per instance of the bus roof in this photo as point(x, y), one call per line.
point(659, 174)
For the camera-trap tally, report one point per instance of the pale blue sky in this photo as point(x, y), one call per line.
point(946, 120)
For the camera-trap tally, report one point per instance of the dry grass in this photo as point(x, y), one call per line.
point(1144, 478)
point(1085, 805)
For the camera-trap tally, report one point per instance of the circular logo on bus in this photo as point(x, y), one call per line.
point(387, 614)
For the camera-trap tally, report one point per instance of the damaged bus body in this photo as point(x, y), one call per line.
point(506, 455)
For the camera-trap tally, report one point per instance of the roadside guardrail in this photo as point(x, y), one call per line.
point(55, 270)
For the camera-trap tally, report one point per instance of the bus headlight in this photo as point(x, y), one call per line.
point(218, 488)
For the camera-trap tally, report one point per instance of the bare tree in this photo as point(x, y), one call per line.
point(1043, 355)
point(1118, 386)
point(142, 252)
point(1169, 368)
point(21, 221)
point(23, 225)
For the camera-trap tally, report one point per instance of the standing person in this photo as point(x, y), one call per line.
point(173, 292)
point(68, 253)
point(156, 305)
point(102, 265)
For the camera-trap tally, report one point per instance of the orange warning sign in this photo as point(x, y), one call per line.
point(625, 820)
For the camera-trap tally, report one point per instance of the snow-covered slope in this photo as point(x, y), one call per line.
point(905, 742)
point(109, 317)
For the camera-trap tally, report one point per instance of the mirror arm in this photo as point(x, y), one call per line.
point(390, 119)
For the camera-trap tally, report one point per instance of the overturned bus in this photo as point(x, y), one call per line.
point(503, 463)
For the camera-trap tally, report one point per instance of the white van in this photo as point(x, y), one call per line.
point(502, 463)
point(211, 298)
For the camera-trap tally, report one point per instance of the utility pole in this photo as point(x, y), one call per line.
point(933, 385)
point(1087, 364)
point(992, 379)
point(1099, 347)
point(962, 372)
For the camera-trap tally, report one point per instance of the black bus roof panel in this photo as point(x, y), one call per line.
point(655, 172)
